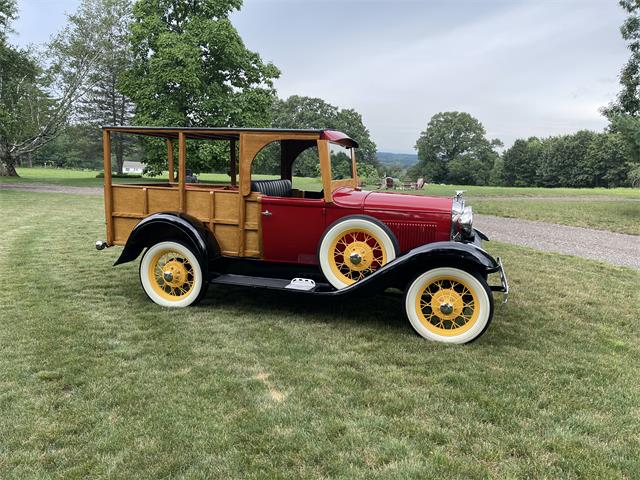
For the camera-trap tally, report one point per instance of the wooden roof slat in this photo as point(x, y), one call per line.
point(233, 133)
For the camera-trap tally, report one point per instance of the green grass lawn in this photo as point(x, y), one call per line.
point(66, 177)
point(99, 382)
point(486, 191)
point(621, 216)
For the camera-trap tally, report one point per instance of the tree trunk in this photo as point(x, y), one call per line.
point(119, 150)
point(7, 166)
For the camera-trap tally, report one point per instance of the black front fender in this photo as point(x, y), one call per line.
point(169, 226)
point(465, 256)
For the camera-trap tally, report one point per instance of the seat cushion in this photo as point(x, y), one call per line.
point(274, 188)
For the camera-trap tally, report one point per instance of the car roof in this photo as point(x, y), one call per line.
point(232, 133)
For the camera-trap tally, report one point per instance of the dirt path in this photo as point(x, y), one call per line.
point(614, 248)
point(610, 247)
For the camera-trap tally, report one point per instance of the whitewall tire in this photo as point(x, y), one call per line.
point(353, 248)
point(449, 305)
point(171, 275)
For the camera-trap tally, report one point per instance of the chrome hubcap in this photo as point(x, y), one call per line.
point(168, 276)
point(446, 308)
point(355, 258)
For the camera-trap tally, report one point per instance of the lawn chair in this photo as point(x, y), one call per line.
point(388, 183)
point(414, 185)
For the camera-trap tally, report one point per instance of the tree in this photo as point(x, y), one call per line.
point(8, 13)
point(20, 95)
point(521, 163)
point(37, 101)
point(496, 176)
point(308, 112)
point(191, 68)
point(563, 161)
point(105, 25)
point(453, 148)
point(629, 128)
point(608, 160)
point(75, 147)
point(628, 101)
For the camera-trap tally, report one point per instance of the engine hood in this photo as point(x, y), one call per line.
point(414, 219)
point(399, 202)
point(407, 203)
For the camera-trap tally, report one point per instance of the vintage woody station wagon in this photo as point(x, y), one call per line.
point(340, 240)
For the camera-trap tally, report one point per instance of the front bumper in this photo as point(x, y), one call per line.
point(504, 287)
point(504, 284)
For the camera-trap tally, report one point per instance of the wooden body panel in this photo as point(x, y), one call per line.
point(234, 223)
point(232, 213)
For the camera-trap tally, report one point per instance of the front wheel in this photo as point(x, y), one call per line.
point(353, 248)
point(449, 305)
point(171, 275)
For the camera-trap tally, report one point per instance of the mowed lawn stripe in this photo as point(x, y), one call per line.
point(98, 381)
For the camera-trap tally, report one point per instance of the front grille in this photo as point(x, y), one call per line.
point(412, 234)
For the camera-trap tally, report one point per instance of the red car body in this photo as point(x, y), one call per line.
point(292, 232)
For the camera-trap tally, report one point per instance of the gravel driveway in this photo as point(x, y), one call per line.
point(614, 248)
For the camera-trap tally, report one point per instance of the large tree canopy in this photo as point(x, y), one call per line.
point(454, 149)
point(191, 68)
point(37, 101)
point(628, 101)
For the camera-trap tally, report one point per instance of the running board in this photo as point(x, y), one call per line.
point(266, 282)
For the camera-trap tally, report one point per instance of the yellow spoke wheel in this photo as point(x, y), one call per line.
point(449, 305)
point(355, 254)
point(171, 275)
point(353, 248)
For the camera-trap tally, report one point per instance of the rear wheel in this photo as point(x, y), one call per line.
point(171, 275)
point(449, 305)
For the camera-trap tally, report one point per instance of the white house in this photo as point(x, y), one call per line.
point(132, 167)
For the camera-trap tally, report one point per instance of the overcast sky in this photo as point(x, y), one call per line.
point(522, 67)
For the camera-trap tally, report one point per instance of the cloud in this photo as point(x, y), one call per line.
point(523, 68)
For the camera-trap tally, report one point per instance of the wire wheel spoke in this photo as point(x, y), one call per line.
point(173, 274)
point(447, 305)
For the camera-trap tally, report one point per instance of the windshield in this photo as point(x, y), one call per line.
point(341, 165)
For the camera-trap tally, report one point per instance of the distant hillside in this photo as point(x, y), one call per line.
point(403, 159)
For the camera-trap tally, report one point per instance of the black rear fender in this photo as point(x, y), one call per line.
point(168, 226)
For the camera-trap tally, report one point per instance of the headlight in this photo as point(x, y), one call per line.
point(466, 223)
point(461, 220)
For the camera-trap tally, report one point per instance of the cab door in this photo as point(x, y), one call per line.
point(291, 228)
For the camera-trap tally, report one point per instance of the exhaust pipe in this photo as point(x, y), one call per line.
point(101, 245)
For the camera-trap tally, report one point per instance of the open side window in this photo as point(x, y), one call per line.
point(287, 168)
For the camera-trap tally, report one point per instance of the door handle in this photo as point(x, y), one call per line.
point(267, 213)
